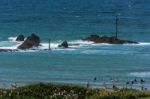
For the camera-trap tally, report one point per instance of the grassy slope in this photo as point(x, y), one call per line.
point(51, 91)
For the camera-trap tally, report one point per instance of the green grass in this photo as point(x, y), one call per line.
point(145, 98)
point(52, 91)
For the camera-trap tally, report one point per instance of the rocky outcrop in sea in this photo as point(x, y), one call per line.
point(64, 44)
point(31, 41)
point(20, 38)
point(109, 40)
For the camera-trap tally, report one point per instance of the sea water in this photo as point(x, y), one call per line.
point(73, 20)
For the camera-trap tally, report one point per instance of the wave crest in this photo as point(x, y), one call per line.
point(140, 74)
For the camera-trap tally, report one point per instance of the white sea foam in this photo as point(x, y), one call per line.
point(79, 43)
point(46, 46)
point(9, 44)
point(144, 43)
point(139, 44)
point(140, 74)
point(9, 47)
point(12, 38)
point(72, 44)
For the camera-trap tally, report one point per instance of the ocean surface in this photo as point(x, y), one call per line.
point(73, 20)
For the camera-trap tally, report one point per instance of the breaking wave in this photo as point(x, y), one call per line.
point(139, 44)
point(140, 74)
point(12, 38)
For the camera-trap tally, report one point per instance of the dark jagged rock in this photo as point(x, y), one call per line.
point(64, 44)
point(105, 39)
point(31, 41)
point(20, 38)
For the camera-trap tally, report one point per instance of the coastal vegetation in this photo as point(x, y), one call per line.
point(54, 91)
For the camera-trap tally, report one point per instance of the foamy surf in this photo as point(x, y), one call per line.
point(9, 45)
point(139, 44)
point(46, 46)
point(72, 44)
point(140, 74)
point(144, 43)
point(12, 38)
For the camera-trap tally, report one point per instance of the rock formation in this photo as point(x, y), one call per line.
point(64, 44)
point(105, 39)
point(31, 41)
point(20, 38)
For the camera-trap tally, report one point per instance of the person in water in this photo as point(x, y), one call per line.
point(142, 81)
point(135, 81)
point(95, 79)
point(14, 85)
point(88, 84)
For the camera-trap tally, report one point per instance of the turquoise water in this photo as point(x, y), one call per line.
point(72, 20)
